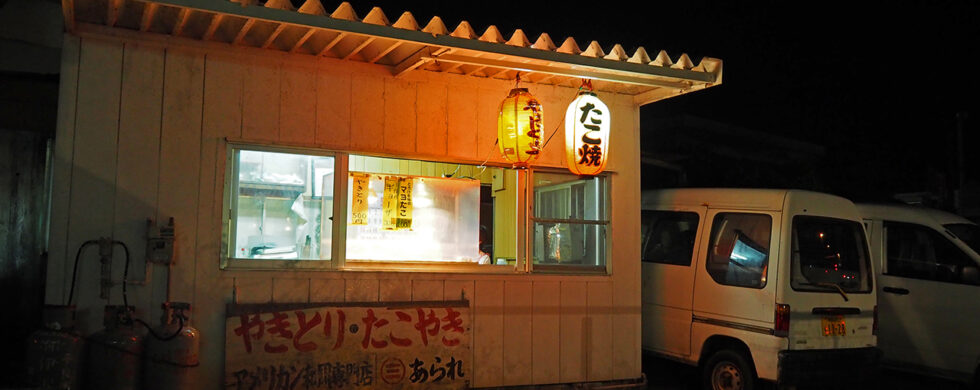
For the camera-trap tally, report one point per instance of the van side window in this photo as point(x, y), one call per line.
point(668, 236)
point(918, 252)
point(739, 251)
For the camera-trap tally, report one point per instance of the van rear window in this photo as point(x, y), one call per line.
point(829, 255)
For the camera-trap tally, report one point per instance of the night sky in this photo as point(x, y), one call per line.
point(878, 85)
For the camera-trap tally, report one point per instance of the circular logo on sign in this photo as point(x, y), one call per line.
point(392, 371)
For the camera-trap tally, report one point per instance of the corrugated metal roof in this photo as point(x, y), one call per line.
point(403, 45)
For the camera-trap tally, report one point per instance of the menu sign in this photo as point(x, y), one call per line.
point(408, 345)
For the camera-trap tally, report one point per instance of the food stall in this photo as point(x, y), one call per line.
point(356, 202)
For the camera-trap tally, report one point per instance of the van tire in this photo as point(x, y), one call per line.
point(727, 370)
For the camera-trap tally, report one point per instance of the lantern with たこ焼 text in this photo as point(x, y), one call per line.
point(519, 127)
point(587, 133)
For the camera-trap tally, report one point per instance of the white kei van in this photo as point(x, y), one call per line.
point(758, 283)
point(928, 289)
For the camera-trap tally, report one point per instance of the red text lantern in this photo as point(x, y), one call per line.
point(519, 127)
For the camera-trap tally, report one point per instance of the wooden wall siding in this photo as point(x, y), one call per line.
point(399, 110)
point(221, 117)
point(137, 185)
point(626, 287)
point(180, 146)
point(487, 111)
point(395, 290)
point(361, 290)
point(298, 107)
point(290, 290)
point(260, 101)
point(600, 332)
point(333, 109)
point(488, 328)
point(367, 99)
point(462, 137)
point(431, 131)
point(142, 132)
point(574, 355)
point(254, 289)
point(90, 210)
point(327, 290)
point(517, 333)
point(428, 290)
point(545, 332)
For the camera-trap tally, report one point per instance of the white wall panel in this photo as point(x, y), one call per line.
point(297, 112)
point(90, 212)
point(574, 355)
point(488, 328)
point(517, 365)
point(546, 330)
point(180, 153)
point(432, 120)
point(399, 115)
point(260, 101)
point(138, 163)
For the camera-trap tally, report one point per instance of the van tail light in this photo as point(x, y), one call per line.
point(782, 320)
point(874, 325)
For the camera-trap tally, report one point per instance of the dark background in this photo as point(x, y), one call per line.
point(877, 85)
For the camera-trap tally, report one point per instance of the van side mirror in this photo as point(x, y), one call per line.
point(971, 275)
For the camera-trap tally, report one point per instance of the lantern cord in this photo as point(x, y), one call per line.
point(552, 134)
point(452, 174)
point(563, 121)
point(484, 163)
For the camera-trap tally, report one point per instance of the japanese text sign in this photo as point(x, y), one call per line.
point(374, 346)
point(360, 187)
point(587, 123)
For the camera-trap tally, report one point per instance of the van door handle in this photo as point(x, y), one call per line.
point(896, 290)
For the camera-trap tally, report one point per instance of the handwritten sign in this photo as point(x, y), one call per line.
point(389, 204)
point(405, 186)
point(409, 345)
point(359, 199)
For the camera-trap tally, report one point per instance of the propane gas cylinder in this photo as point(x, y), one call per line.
point(114, 358)
point(171, 351)
point(54, 351)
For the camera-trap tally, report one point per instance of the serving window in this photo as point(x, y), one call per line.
point(305, 208)
point(278, 202)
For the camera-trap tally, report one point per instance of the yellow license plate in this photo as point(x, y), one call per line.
point(833, 326)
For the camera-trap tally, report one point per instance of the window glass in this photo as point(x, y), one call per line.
point(570, 221)
point(969, 233)
point(739, 251)
point(829, 254)
point(419, 211)
point(277, 213)
point(916, 251)
point(668, 236)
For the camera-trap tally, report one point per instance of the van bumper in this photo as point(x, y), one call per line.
point(831, 366)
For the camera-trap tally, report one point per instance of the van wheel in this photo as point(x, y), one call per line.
point(728, 370)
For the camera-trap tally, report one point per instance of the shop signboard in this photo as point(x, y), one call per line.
point(404, 345)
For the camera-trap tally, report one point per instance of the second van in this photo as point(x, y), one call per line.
point(754, 284)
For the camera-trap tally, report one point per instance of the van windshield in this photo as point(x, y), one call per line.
point(969, 233)
point(829, 255)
